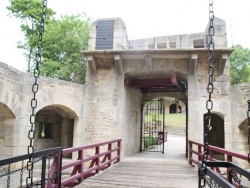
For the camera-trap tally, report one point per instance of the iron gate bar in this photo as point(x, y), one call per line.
point(153, 131)
point(26, 156)
point(230, 165)
point(216, 177)
point(220, 180)
point(43, 154)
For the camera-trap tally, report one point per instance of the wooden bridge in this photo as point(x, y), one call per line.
point(150, 169)
point(146, 169)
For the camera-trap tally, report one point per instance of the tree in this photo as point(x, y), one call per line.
point(63, 40)
point(239, 65)
point(29, 12)
point(62, 44)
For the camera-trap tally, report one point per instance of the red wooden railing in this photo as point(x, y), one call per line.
point(103, 156)
point(229, 155)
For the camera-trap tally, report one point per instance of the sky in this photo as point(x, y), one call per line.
point(143, 18)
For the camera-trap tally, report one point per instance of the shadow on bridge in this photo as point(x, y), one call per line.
point(150, 169)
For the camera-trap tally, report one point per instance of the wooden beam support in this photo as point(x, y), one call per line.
point(156, 84)
point(177, 83)
point(92, 64)
point(118, 64)
point(192, 64)
point(222, 64)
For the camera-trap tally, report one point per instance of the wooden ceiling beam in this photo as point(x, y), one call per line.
point(171, 83)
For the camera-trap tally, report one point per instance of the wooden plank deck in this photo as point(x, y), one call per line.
point(149, 170)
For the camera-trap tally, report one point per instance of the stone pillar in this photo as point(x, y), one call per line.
point(195, 111)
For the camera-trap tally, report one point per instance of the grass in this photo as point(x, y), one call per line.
point(178, 119)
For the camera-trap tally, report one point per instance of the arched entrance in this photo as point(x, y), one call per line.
point(217, 135)
point(54, 127)
point(7, 119)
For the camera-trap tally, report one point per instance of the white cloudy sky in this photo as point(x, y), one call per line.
point(143, 18)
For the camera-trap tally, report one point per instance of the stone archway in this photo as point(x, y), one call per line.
point(217, 133)
point(241, 143)
point(54, 128)
point(7, 119)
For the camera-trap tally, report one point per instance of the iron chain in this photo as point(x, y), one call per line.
point(248, 117)
point(236, 178)
point(21, 175)
point(8, 177)
point(36, 73)
point(13, 172)
point(210, 89)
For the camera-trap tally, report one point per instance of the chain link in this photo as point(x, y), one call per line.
point(209, 103)
point(21, 175)
point(36, 73)
point(8, 177)
point(236, 178)
point(248, 117)
point(48, 167)
point(14, 171)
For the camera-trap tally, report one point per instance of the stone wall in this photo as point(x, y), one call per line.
point(15, 94)
point(240, 94)
point(131, 121)
point(197, 97)
point(105, 109)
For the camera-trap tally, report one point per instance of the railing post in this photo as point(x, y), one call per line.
point(190, 152)
point(229, 176)
point(200, 152)
point(110, 154)
point(97, 151)
point(80, 157)
point(59, 169)
point(212, 156)
point(43, 171)
point(118, 151)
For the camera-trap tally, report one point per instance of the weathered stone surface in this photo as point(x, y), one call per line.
point(105, 109)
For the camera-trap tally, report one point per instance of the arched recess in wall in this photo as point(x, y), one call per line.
point(7, 120)
point(217, 133)
point(54, 127)
point(175, 108)
point(241, 143)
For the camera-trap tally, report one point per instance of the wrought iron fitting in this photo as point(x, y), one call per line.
point(209, 104)
point(210, 89)
point(36, 73)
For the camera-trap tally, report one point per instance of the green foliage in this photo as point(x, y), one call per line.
point(62, 43)
point(63, 40)
point(149, 141)
point(29, 12)
point(239, 65)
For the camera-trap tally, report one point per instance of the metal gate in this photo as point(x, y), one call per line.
point(153, 133)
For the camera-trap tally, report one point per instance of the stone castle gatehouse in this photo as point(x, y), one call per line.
point(122, 74)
